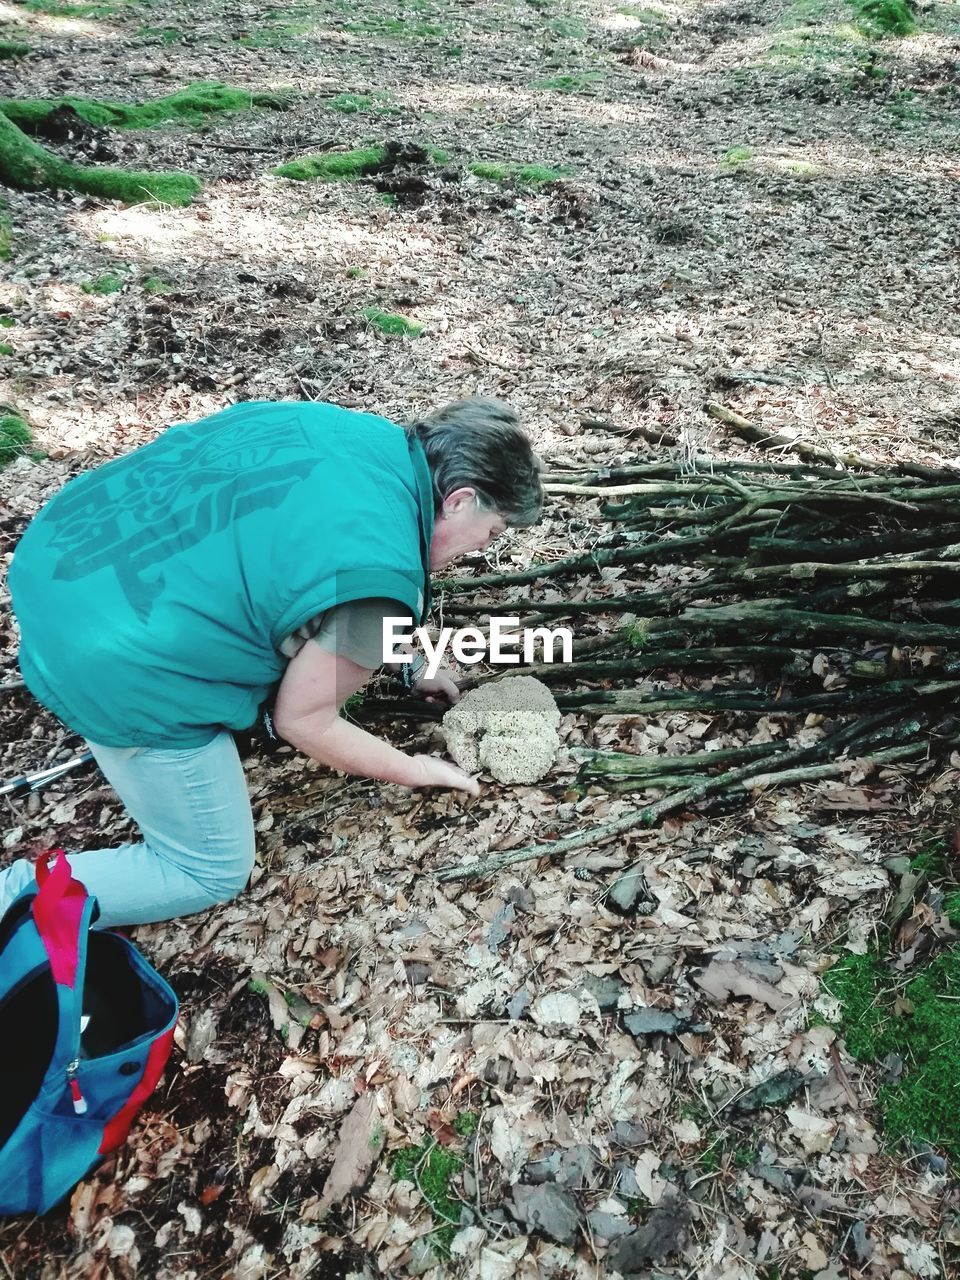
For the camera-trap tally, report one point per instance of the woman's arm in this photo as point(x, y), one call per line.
point(314, 687)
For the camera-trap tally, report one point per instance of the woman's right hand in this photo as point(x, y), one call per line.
point(432, 772)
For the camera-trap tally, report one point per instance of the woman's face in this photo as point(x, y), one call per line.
point(462, 526)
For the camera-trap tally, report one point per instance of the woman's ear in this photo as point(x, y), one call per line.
point(458, 500)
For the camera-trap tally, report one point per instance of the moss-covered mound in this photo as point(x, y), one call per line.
point(378, 101)
point(339, 166)
point(345, 166)
point(192, 105)
point(392, 325)
point(104, 285)
point(15, 438)
point(28, 166)
point(525, 175)
point(13, 49)
point(886, 17)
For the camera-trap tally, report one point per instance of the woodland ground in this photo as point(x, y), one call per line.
point(757, 204)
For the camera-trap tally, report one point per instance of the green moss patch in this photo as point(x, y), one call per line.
point(30, 167)
point(839, 39)
point(6, 349)
point(526, 175)
point(192, 105)
point(15, 438)
point(431, 1168)
point(801, 169)
point(571, 82)
point(737, 155)
point(134, 188)
point(166, 35)
point(467, 1123)
point(931, 858)
point(13, 49)
point(568, 28)
point(393, 326)
point(920, 1023)
point(338, 166)
point(886, 17)
point(814, 35)
point(285, 36)
point(378, 102)
point(156, 285)
point(105, 284)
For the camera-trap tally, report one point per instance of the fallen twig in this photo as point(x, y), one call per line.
point(651, 813)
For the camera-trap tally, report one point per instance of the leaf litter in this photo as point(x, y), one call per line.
point(653, 1090)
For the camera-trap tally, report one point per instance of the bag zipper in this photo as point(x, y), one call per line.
point(79, 1101)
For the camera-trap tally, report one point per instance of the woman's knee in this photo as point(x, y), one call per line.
point(221, 878)
point(235, 876)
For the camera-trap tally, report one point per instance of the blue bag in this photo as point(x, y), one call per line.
point(86, 1027)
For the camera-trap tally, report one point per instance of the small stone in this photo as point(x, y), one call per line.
point(625, 1180)
point(892, 1068)
point(417, 972)
point(777, 1089)
point(606, 991)
point(422, 1257)
point(626, 893)
point(577, 1165)
point(931, 1158)
point(627, 1134)
point(609, 1226)
point(518, 1005)
point(544, 1169)
point(499, 930)
point(658, 968)
point(862, 1244)
point(663, 1233)
point(644, 1021)
point(548, 1209)
point(522, 898)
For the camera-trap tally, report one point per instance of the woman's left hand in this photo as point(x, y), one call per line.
point(441, 687)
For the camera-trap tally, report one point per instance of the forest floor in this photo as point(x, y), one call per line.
point(753, 202)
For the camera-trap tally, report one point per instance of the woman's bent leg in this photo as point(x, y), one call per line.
point(194, 814)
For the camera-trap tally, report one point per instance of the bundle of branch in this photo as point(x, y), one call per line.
point(825, 596)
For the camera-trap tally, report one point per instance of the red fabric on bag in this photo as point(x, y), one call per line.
point(57, 912)
point(118, 1126)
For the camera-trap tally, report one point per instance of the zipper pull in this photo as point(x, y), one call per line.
point(79, 1101)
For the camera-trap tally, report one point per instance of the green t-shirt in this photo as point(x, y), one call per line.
point(184, 565)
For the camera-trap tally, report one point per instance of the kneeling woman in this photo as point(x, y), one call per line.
point(162, 596)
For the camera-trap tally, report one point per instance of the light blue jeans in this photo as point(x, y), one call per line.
point(192, 808)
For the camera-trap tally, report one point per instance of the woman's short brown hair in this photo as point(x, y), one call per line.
point(479, 444)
